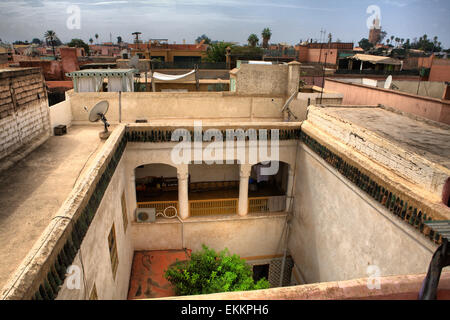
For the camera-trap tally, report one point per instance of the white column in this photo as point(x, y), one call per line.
point(243, 189)
point(289, 192)
point(183, 200)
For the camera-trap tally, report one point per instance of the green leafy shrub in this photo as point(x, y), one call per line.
point(212, 272)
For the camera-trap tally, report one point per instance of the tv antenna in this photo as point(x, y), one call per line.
point(98, 113)
point(136, 35)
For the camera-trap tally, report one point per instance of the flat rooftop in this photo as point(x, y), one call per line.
point(423, 137)
point(32, 191)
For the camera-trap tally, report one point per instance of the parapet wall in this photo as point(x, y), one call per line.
point(187, 105)
point(24, 116)
point(358, 94)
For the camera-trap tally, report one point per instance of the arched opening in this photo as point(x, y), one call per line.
point(213, 189)
point(267, 193)
point(156, 186)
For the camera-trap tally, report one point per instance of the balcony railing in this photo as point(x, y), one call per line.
point(199, 208)
point(258, 205)
point(211, 207)
point(160, 206)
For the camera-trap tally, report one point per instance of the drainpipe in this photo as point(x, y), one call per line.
point(283, 263)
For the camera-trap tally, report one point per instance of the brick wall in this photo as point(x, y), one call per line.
point(23, 109)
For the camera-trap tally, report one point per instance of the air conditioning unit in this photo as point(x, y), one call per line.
point(145, 214)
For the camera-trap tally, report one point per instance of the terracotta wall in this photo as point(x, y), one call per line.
point(315, 55)
point(55, 70)
point(440, 70)
point(356, 94)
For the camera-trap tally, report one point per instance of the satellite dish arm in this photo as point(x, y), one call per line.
point(104, 120)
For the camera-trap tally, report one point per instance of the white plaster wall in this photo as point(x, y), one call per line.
point(251, 236)
point(171, 105)
point(94, 250)
point(217, 172)
point(337, 231)
point(60, 114)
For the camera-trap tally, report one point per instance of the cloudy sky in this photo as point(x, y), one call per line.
point(229, 20)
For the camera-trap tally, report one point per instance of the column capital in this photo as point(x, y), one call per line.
point(182, 172)
point(245, 170)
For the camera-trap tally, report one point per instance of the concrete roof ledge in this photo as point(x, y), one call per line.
point(391, 288)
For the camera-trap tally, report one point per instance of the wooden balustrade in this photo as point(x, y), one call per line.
point(199, 208)
point(210, 207)
point(160, 206)
point(258, 204)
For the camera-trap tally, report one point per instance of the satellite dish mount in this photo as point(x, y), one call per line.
point(98, 113)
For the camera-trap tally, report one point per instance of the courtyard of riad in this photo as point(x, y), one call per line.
point(322, 217)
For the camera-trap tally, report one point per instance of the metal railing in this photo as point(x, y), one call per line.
point(160, 206)
point(259, 204)
point(200, 208)
point(211, 207)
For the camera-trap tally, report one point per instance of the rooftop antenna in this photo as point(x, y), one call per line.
point(136, 34)
point(98, 113)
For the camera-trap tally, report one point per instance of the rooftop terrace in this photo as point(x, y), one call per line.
point(34, 189)
point(426, 138)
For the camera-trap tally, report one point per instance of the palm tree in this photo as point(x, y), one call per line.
point(266, 34)
point(96, 37)
point(50, 37)
point(253, 40)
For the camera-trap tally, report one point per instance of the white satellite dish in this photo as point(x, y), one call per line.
point(388, 82)
point(98, 113)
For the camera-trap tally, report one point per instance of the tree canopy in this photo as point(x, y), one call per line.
point(365, 44)
point(36, 41)
point(217, 51)
point(51, 38)
point(253, 40)
point(425, 44)
point(78, 43)
point(203, 37)
point(266, 34)
point(210, 272)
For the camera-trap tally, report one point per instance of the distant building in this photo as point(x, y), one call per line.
point(323, 52)
point(172, 53)
point(375, 32)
